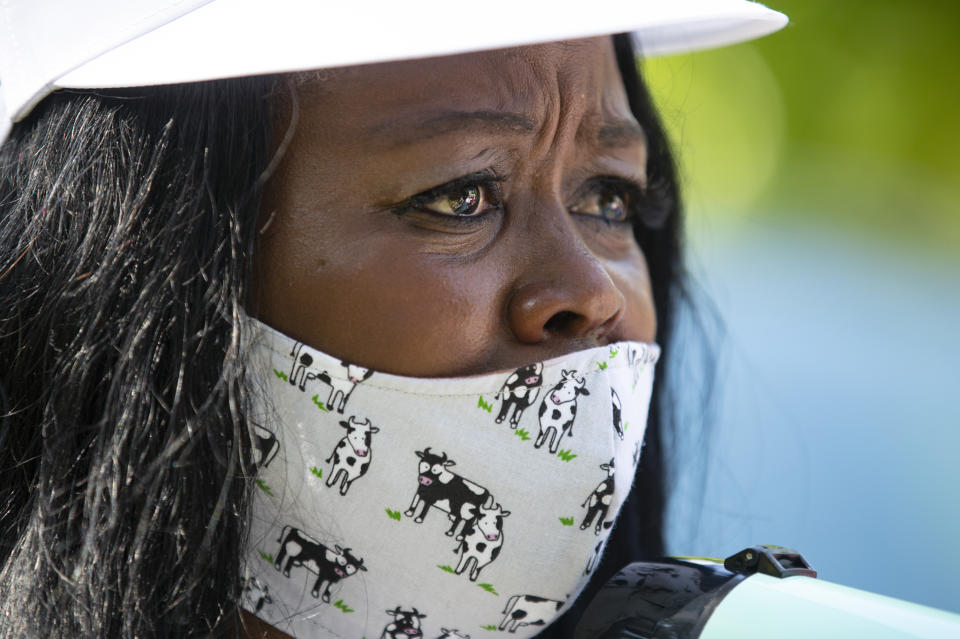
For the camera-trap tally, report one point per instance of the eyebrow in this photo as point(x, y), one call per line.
point(419, 128)
point(618, 134)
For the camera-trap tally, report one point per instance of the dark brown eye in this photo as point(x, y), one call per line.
point(470, 196)
point(466, 202)
point(613, 208)
point(462, 201)
point(605, 204)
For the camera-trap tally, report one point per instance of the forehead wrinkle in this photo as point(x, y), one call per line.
point(504, 103)
point(551, 86)
point(519, 80)
point(609, 124)
point(580, 116)
point(420, 127)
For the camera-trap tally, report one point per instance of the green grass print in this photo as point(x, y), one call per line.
point(316, 472)
point(393, 514)
point(342, 606)
point(262, 485)
point(602, 366)
point(566, 521)
point(492, 626)
point(613, 352)
point(280, 374)
point(566, 455)
point(321, 405)
point(265, 556)
point(489, 588)
point(447, 569)
point(522, 434)
point(484, 405)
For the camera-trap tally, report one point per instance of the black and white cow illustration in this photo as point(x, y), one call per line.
point(528, 610)
point(405, 624)
point(265, 446)
point(300, 368)
point(302, 371)
point(255, 594)
point(460, 498)
point(340, 389)
point(635, 365)
point(598, 503)
point(329, 565)
point(351, 456)
point(482, 540)
point(558, 410)
point(617, 416)
point(519, 392)
point(594, 557)
point(452, 634)
point(638, 360)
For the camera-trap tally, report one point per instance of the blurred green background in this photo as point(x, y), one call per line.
point(821, 173)
point(849, 114)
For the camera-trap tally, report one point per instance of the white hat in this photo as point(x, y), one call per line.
point(51, 44)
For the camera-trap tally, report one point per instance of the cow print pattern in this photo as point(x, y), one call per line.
point(265, 446)
point(303, 370)
point(439, 488)
point(329, 565)
point(405, 624)
point(351, 458)
point(528, 610)
point(446, 503)
point(598, 502)
point(558, 410)
point(519, 392)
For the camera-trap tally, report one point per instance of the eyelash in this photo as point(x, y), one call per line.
point(487, 180)
point(628, 192)
point(648, 206)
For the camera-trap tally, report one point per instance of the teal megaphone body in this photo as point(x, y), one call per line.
point(764, 592)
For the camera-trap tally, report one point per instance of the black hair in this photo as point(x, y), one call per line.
point(127, 221)
point(125, 227)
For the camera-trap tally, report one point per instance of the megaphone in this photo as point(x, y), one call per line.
point(767, 592)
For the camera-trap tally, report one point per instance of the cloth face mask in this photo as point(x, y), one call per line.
point(393, 507)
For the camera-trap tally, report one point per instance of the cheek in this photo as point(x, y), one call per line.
point(632, 278)
point(413, 316)
point(375, 298)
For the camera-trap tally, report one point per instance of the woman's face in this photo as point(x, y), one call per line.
point(458, 215)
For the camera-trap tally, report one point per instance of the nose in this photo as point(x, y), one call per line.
point(565, 293)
